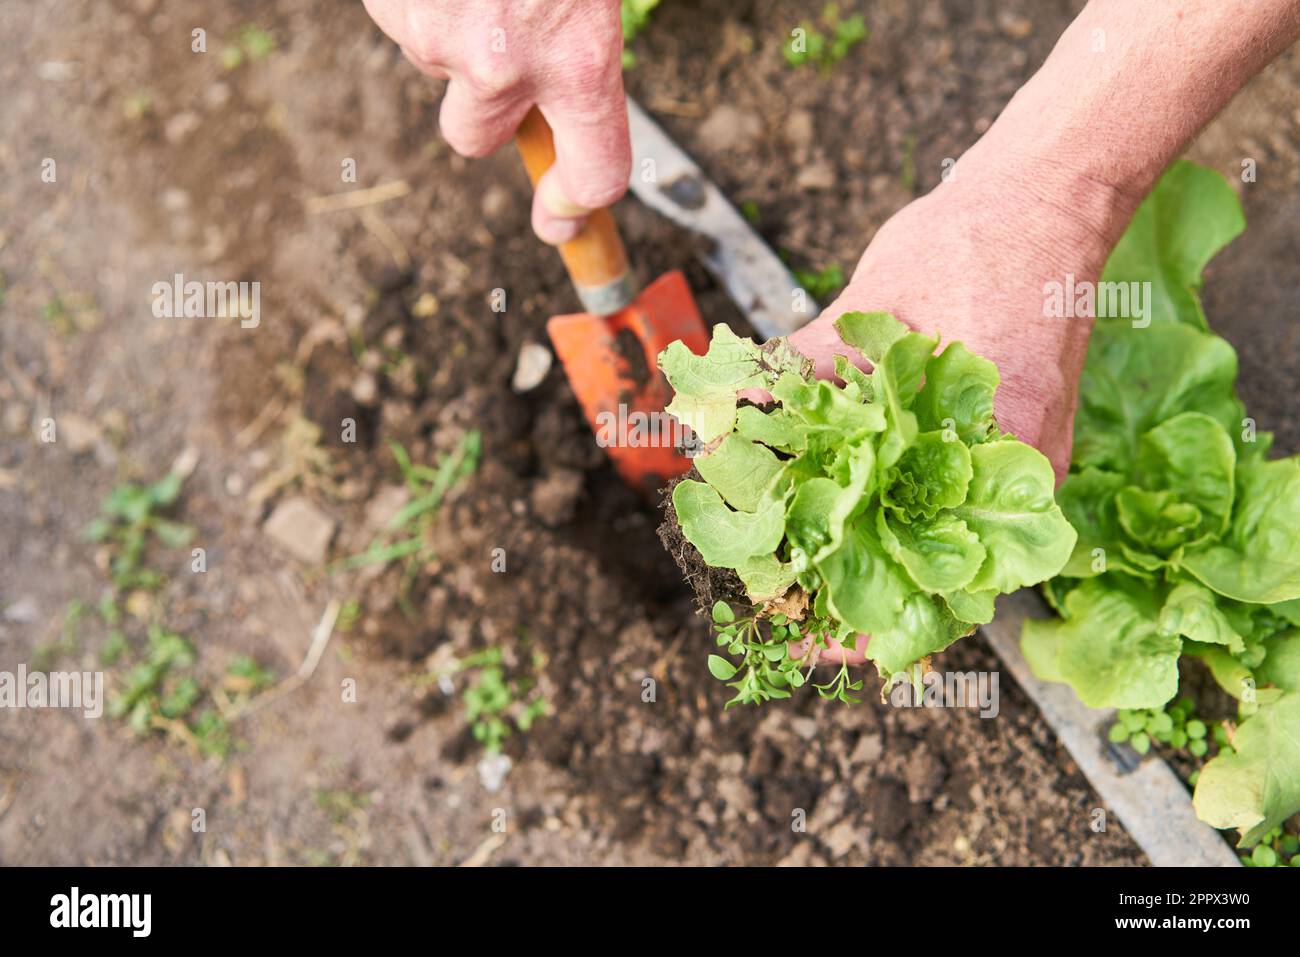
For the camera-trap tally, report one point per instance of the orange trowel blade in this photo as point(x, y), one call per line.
point(612, 364)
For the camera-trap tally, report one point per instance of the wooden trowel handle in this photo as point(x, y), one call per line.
point(595, 258)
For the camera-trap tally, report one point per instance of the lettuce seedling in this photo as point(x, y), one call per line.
point(1189, 539)
point(890, 505)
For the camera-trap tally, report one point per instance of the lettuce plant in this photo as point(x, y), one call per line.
point(890, 505)
point(1189, 537)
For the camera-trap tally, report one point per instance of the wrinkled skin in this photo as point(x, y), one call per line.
point(502, 56)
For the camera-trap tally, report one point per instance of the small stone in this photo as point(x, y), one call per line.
point(180, 126)
point(365, 389)
point(424, 307)
point(1015, 25)
point(495, 202)
point(842, 838)
point(799, 127)
point(79, 433)
point(531, 368)
point(22, 611)
point(924, 774)
point(492, 771)
point(387, 502)
point(175, 200)
point(798, 857)
point(301, 529)
point(15, 418)
point(868, 749)
point(57, 71)
point(804, 727)
point(817, 175)
point(216, 96)
point(728, 128)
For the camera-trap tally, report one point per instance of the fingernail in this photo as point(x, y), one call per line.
point(559, 231)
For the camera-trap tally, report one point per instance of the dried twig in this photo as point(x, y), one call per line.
point(357, 198)
point(319, 640)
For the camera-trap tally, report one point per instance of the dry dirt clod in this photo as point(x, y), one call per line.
point(301, 529)
point(79, 433)
point(728, 128)
point(554, 499)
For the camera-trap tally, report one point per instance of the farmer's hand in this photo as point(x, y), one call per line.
point(501, 57)
point(1047, 192)
point(968, 262)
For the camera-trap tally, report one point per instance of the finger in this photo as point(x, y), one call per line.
point(475, 122)
point(593, 150)
point(555, 219)
point(833, 652)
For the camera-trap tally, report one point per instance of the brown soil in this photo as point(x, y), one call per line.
point(169, 163)
point(707, 584)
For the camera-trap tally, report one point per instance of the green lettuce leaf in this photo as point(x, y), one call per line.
point(1191, 455)
point(1135, 379)
point(958, 394)
point(933, 474)
point(865, 588)
point(1011, 508)
point(923, 627)
point(1258, 560)
point(726, 538)
point(741, 471)
point(1256, 786)
point(940, 553)
point(1087, 500)
point(1190, 215)
point(1109, 649)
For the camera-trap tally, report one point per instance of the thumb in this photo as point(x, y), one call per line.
point(593, 163)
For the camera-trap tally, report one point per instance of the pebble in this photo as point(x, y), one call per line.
point(15, 418)
point(496, 202)
point(386, 503)
point(817, 175)
point(842, 838)
point(492, 771)
point(868, 749)
point(365, 390)
point(531, 368)
point(301, 529)
point(799, 128)
point(1015, 25)
point(180, 126)
point(22, 611)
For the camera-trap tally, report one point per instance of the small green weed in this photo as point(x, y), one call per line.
point(132, 516)
point(1174, 725)
point(808, 45)
point(494, 701)
point(636, 15)
point(822, 284)
point(406, 538)
point(251, 44)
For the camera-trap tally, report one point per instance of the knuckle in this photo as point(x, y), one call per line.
point(491, 80)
